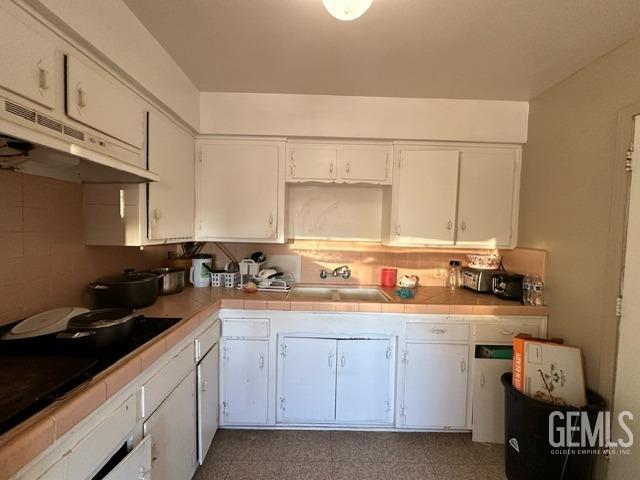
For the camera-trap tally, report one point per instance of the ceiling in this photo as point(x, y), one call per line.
point(483, 49)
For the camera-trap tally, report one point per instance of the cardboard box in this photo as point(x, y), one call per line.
point(548, 371)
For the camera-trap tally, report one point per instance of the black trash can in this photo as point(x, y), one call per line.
point(528, 452)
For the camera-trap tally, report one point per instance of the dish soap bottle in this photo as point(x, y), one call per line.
point(454, 274)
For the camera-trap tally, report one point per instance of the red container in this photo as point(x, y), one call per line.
point(388, 277)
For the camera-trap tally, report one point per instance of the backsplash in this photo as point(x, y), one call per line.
point(366, 260)
point(43, 261)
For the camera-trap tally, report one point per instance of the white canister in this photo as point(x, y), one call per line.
point(199, 276)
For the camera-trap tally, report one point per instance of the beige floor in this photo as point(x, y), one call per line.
point(324, 455)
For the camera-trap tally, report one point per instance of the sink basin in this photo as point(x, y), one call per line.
point(338, 294)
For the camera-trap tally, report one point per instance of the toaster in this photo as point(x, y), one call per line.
point(479, 280)
point(508, 286)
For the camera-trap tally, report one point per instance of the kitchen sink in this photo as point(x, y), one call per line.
point(338, 294)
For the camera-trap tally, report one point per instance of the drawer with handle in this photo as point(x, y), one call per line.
point(438, 331)
point(245, 327)
point(136, 465)
point(505, 331)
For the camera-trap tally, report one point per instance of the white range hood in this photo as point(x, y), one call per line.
point(63, 151)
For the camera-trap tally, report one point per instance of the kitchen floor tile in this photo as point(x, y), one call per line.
point(345, 470)
point(461, 472)
point(495, 472)
point(307, 471)
point(306, 446)
point(395, 446)
point(351, 447)
point(212, 470)
point(410, 471)
point(247, 470)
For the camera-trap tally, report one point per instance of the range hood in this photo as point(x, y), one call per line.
point(35, 143)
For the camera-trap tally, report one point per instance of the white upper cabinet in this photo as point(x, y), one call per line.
point(366, 164)
point(307, 162)
point(171, 154)
point(98, 100)
point(240, 190)
point(424, 197)
point(487, 211)
point(27, 59)
point(339, 162)
point(458, 195)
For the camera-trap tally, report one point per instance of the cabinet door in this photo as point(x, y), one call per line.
point(364, 389)
point(308, 162)
point(488, 400)
point(366, 163)
point(171, 155)
point(208, 398)
point(137, 464)
point(424, 197)
point(308, 380)
point(172, 428)
point(245, 376)
point(435, 385)
point(240, 191)
point(98, 100)
point(27, 60)
point(487, 197)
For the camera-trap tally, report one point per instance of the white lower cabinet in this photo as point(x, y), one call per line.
point(435, 385)
point(172, 428)
point(329, 380)
point(137, 464)
point(208, 393)
point(245, 377)
point(488, 400)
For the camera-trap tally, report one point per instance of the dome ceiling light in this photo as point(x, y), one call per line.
point(347, 10)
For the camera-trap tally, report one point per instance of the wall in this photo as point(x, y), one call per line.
point(111, 28)
point(366, 260)
point(43, 262)
point(363, 117)
point(567, 199)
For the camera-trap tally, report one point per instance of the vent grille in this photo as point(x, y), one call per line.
point(49, 123)
point(72, 132)
point(20, 111)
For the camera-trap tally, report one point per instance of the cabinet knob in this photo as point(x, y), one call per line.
point(331, 168)
point(398, 230)
point(463, 226)
point(261, 362)
point(347, 168)
point(482, 380)
point(343, 361)
point(449, 225)
point(463, 366)
point(331, 360)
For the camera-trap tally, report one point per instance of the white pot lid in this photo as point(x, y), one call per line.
point(44, 323)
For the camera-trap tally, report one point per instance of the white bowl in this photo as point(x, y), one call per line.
point(485, 261)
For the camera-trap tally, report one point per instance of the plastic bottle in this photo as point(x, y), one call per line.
point(454, 274)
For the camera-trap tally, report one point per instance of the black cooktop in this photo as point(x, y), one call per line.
point(36, 372)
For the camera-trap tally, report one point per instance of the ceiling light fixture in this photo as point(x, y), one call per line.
point(347, 10)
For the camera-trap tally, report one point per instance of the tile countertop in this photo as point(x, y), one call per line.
point(194, 305)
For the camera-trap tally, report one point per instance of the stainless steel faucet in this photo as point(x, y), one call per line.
point(343, 271)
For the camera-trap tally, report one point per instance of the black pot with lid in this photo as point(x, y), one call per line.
point(130, 289)
point(97, 329)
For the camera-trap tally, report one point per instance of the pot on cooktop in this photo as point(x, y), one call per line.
point(130, 289)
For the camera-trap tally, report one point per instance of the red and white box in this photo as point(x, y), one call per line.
point(548, 371)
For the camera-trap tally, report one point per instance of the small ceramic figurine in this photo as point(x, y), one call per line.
point(406, 284)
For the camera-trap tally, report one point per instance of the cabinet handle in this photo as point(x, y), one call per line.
point(463, 226)
point(205, 385)
point(331, 360)
point(438, 331)
point(342, 361)
point(507, 332)
point(261, 363)
point(331, 168)
point(225, 409)
point(347, 168)
point(154, 452)
point(398, 230)
point(43, 77)
point(82, 97)
point(386, 168)
point(292, 170)
point(482, 381)
point(271, 220)
point(463, 366)
point(156, 215)
point(449, 225)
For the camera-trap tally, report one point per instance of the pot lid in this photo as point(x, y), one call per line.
point(51, 321)
point(127, 277)
point(106, 317)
